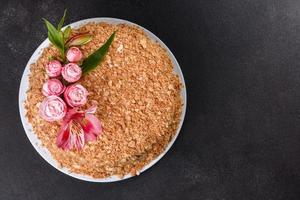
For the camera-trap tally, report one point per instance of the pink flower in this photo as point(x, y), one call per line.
point(78, 128)
point(53, 68)
point(75, 95)
point(71, 72)
point(53, 87)
point(74, 54)
point(53, 108)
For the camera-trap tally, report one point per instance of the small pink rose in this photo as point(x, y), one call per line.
point(75, 95)
point(71, 72)
point(53, 108)
point(53, 87)
point(53, 68)
point(74, 54)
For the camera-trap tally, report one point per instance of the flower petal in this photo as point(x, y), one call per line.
point(93, 108)
point(77, 135)
point(63, 140)
point(91, 127)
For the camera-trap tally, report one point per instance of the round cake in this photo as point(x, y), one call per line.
point(138, 98)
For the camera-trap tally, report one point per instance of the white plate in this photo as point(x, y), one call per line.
point(37, 143)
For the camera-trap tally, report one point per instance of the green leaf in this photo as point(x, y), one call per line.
point(93, 60)
point(54, 35)
point(80, 39)
point(62, 20)
point(61, 38)
point(67, 33)
point(50, 37)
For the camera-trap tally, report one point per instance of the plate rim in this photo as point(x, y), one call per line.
point(43, 151)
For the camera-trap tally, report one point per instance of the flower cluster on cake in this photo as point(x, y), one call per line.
point(64, 96)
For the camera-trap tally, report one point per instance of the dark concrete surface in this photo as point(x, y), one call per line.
point(241, 136)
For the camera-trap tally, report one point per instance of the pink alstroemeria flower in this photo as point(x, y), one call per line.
point(78, 128)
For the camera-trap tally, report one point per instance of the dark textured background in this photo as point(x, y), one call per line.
point(241, 136)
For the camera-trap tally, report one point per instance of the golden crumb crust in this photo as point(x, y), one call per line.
point(139, 103)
